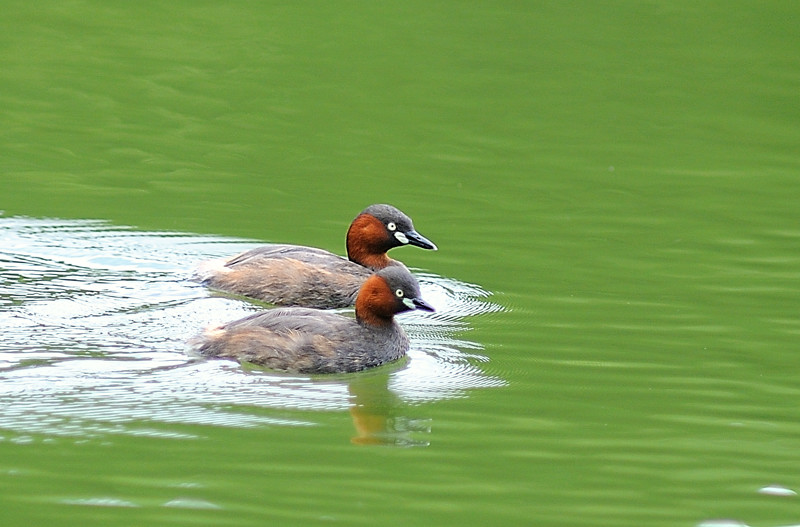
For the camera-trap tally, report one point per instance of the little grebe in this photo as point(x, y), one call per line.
point(303, 340)
point(293, 275)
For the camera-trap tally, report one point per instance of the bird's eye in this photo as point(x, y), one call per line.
point(391, 226)
point(399, 293)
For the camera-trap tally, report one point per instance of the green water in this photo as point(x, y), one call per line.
point(623, 177)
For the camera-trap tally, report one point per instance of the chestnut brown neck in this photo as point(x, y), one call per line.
point(375, 304)
point(367, 242)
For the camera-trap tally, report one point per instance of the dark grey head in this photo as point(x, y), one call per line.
point(404, 289)
point(399, 226)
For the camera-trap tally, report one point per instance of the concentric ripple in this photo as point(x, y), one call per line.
point(95, 320)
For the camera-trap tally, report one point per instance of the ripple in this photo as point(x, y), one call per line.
point(191, 503)
point(454, 300)
point(95, 323)
point(777, 490)
point(99, 502)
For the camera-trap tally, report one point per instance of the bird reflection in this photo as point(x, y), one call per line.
point(378, 414)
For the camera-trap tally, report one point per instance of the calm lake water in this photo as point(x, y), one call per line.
point(614, 188)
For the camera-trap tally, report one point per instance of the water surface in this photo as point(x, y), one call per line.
point(98, 319)
point(620, 178)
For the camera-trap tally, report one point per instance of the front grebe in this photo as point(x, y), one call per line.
point(303, 340)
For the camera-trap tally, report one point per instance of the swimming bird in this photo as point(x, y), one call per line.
point(303, 340)
point(293, 275)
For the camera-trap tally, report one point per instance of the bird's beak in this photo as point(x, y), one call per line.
point(412, 237)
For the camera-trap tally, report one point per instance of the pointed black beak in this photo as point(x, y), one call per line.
point(415, 238)
point(421, 304)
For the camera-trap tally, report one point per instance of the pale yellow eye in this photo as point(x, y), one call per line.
point(399, 293)
point(391, 226)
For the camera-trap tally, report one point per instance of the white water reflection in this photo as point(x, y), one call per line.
point(95, 319)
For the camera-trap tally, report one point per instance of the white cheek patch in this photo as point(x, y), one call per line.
point(409, 304)
point(401, 237)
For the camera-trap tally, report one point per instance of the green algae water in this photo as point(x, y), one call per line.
point(613, 187)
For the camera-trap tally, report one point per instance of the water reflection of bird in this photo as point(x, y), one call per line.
point(377, 414)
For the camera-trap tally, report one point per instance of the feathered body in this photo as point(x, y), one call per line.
point(293, 275)
point(308, 340)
